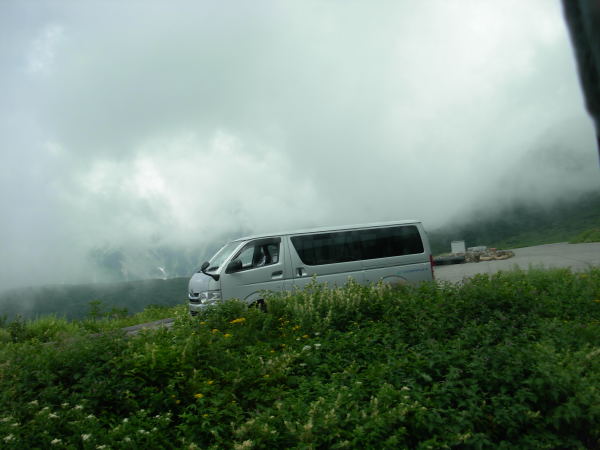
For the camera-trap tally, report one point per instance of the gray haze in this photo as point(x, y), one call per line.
point(141, 130)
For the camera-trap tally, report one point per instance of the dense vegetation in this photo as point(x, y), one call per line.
point(511, 361)
point(73, 301)
point(524, 224)
point(591, 235)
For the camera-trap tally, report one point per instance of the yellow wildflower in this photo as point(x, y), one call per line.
point(202, 323)
point(198, 395)
point(296, 327)
point(238, 320)
point(215, 330)
point(597, 301)
point(227, 335)
point(210, 381)
point(305, 336)
point(204, 415)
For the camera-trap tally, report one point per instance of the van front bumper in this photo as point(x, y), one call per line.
point(199, 301)
point(194, 306)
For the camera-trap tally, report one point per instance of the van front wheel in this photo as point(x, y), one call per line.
point(260, 304)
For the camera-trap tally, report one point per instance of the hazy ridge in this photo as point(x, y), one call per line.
point(522, 224)
point(73, 301)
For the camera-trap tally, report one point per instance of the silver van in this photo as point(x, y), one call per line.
point(395, 252)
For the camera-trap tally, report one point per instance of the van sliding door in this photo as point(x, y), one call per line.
point(332, 257)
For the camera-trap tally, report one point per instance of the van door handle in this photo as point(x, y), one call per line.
point(277, 274)
point(301, 272)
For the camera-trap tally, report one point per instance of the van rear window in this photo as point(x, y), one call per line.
point(356, 245)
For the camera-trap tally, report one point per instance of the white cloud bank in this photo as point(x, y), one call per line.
point(157, 124)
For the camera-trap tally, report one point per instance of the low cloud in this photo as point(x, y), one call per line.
point(132, 132)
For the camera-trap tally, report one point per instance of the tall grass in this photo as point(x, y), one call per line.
point(511, 361)
point(53, 328)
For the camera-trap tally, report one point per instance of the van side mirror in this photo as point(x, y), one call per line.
point(234, 266)
point(203, 267)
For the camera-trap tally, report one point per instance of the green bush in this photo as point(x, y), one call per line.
point(591, 235)
point(507, 361)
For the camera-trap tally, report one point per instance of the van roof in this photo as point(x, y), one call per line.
point(329, 228)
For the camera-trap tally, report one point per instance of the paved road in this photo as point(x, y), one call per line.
point(135, 329)
point(576, 256)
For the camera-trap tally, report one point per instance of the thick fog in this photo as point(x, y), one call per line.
point(132, 133)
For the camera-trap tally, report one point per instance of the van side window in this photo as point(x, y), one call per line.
point(272, 251)
point(263, 252)
point(344, 246)
point(328, 248)
point(387, 242)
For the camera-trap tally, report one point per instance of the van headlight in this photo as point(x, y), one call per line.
point(209, 296)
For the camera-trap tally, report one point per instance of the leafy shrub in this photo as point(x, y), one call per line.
point(510, 360)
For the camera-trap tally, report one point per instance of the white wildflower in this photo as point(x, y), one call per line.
point(16, 424)
point(6, 419)
point(64, 405)
point(306, 348)
point(55, 441)
point(33, 402)
point(9, 438)
point(90, 416)
point(53, 416)
point(317, 345)
point(78, 407)
point(405, 388)
point(127, 439)
point(85, 437)
point(101, 446)
point(125, 420)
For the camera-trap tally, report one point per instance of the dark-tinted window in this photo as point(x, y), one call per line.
point(343, 246)
point(327, 248)
point(386, 242)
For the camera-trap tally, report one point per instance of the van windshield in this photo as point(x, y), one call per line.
point(219, 258)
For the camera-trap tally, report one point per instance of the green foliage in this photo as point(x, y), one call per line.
point(52, 329)
point(509, 361)
point(592, 235)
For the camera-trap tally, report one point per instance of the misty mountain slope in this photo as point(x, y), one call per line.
point(522, 224)
point(73, 301)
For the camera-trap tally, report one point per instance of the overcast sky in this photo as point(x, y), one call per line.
point(143, 123)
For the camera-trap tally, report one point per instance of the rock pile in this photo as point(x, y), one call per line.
point(477, 254)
